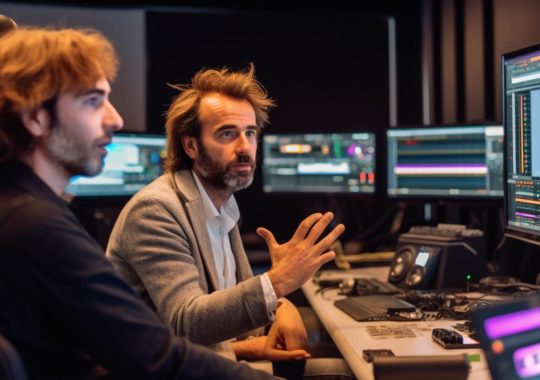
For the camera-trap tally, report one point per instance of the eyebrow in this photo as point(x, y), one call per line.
point(94, 91)
point(234, 126)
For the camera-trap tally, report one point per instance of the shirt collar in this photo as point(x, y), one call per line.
point(19, 174)
point(228, 215)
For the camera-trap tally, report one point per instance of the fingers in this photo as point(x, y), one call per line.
point(305, 226)
point(326, 257)
point(281, 355)
point(295, 342)
point(319, 227)
point(268, 236)
point(329, 239)
point(294, 337)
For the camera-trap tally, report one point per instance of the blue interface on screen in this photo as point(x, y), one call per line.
point(132, 162)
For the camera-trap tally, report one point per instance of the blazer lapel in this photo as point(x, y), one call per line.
point(243, 268)
point(189, 195)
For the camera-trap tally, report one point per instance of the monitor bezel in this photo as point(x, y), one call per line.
point(377, 168)
point(433, 197)
point(515, 232)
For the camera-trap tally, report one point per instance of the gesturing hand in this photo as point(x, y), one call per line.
point(295, 261)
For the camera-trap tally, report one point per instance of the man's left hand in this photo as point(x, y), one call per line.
point(288, 328)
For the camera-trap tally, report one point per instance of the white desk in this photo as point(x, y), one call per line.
point(351, 337)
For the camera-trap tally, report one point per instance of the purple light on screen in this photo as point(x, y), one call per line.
point(441, 166)
point(526, 215)
point(351, 150)
point(527, 361)
point(513, 323)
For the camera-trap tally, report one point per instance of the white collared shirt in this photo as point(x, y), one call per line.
point(219, 224)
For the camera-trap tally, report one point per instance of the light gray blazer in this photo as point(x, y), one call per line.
point(160, 245)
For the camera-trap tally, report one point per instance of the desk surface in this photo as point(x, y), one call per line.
point(403, 338)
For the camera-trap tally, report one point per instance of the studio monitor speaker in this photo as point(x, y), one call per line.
point(437, 262)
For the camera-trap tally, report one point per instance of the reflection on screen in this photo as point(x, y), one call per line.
point(453, 161)
point(319, 163)
point(132, 162)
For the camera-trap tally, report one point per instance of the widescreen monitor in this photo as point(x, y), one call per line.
point(319, 163)
point(521, 112)
point(132, 162)
point(464, 161)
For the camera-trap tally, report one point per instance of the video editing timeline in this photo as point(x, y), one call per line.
point(522, 120)
point(132, 162)
point(319, 163)
point(446, 161)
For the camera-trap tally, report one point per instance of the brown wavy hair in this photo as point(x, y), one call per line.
point(182, 117)
point(36, 66)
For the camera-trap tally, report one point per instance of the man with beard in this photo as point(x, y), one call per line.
point(177, 241)
point(61, 304)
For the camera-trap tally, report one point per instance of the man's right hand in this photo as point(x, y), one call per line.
point(295, 261)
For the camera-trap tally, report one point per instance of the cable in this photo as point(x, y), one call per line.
point(496, 252)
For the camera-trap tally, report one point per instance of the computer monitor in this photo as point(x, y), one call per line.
point(464, 161)
point(132, 162)
point(521, 113)
point(319, 163)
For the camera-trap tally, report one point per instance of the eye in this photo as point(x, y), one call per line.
point(94, 101)
point(227, 134)
point(251, 133)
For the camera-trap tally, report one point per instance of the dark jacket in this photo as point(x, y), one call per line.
point(64, 308)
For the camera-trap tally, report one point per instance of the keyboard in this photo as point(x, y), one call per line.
point(446, 230)
point(368, 285)
point(377, 307)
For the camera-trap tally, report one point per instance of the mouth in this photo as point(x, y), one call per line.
point(243, 167)
point(102, 147)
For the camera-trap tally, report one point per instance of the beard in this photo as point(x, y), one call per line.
point(222, 176)
point(71, 152)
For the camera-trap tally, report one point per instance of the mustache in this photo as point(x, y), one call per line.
point(244, 159)
point(106, 139)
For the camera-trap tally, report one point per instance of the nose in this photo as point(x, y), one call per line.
point(112, 121)
point(243, 144)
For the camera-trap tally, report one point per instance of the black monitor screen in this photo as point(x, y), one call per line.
point(521, 89)
point(319, 163)
point(450, 161)
point(132, 162)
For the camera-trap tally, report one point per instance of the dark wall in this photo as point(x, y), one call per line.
point(327, 73)
point(326, 65)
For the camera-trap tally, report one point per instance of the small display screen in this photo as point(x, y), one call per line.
point(422, 258)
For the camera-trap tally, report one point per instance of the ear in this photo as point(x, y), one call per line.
point(190, 146)
point(37, 121)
